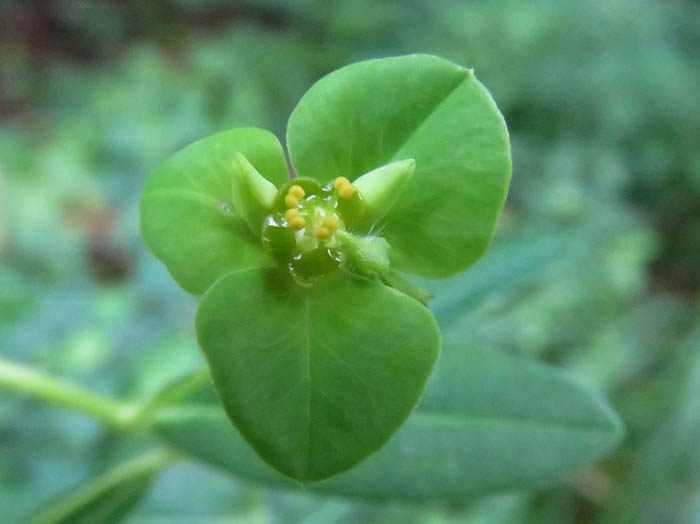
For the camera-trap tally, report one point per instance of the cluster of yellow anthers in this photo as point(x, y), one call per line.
point(297, 220)
point(294, 196)
point(294, 218)
point(330, 226)
point(344, 187)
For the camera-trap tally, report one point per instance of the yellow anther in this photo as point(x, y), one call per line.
point(291, 200)
point(322, 233)
point(291, 214)
point(331, 224)
point(297, 223)
point(341, 182)
point(346, 191)
point(297, 191)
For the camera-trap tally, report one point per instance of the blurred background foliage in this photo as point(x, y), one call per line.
point(596, 265)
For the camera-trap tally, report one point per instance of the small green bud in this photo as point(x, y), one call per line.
point(253, 194)
point(381, 188)
point(368, 255)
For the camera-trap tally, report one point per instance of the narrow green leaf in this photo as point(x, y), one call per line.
point(188, 219)
point(315, 379)
point(368, 114)
point(488, 422)
point(109, 497)
point(195, 387)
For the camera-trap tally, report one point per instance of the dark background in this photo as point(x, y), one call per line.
point(603, 103)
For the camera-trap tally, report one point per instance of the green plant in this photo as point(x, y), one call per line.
point(422, 199)
point(318, 345)
point(591, 270)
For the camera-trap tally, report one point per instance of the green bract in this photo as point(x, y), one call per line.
point(308, 375)
point(318, 346)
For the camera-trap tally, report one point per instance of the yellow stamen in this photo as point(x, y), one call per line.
point(291, 200)
point(346, 191)
point(291, 214)
point(322, 233)
point(297, 223)
point(297, 191)
point(340, 182)
point(331, 224)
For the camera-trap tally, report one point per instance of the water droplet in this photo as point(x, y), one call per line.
point(226, 208)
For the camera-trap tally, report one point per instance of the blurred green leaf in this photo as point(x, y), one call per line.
point(664, 483)
point(488, 422)
point(3, 214)
point(109, 497)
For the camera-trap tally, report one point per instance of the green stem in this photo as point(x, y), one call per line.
point(393, 279)
point(131, 476)
point(42, 386)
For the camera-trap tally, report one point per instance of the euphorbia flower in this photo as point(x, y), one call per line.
point(317, 343)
